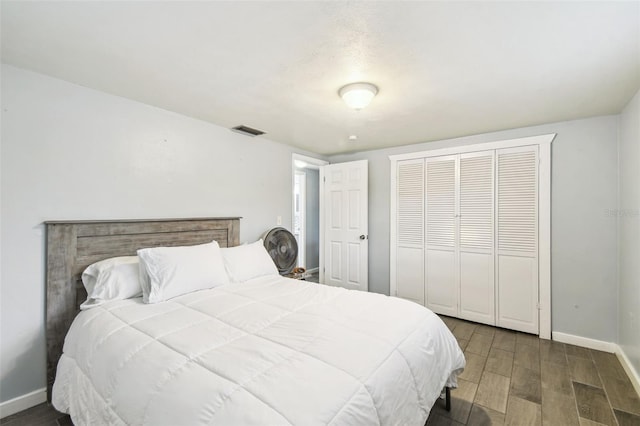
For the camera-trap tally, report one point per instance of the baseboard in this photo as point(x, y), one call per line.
point(600, 345)
point(313, 270)
point(585, 342)
point(628, 368)
point(22, 402)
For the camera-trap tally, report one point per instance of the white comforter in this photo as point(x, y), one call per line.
point(270, 351)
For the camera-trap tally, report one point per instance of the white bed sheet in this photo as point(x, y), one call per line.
point(268, 351)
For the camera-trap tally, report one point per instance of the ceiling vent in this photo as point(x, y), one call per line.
point(245, 130)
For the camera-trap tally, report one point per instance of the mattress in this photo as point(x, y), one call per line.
point(271, 350)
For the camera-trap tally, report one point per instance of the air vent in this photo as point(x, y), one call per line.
point(245, 130)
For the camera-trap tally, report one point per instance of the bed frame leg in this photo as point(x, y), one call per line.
point(447, 401)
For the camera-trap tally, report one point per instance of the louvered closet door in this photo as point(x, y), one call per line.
point(441, 250)
point(410, 230)
point(517, 238)
point(476, 242)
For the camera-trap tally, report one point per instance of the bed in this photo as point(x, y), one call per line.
point(268, 350)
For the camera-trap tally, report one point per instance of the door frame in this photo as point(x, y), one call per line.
point(312, 163)
point(544, 212)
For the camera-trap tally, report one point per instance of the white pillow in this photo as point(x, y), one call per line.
point(167, 272)
point(111, 279)
point(248, 261)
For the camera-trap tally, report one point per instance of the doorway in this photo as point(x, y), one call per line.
point(300, 216)
point(306, 210)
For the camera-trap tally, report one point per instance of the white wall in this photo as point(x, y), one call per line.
point(72, 153)
point(629, 233)
point(583, 240)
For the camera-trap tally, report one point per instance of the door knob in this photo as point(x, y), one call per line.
point(362, 237)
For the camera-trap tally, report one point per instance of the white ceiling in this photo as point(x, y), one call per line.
point(444, 69)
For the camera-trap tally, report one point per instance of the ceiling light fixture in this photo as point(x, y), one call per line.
point(358, 95)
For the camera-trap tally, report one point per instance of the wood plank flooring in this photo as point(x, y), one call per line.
point(40, 415)
point(511, 379)
point(514, 378)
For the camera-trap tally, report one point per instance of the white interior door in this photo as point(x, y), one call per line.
point(476, 218)
point(517, 236)
point(345, 224)
point(441, 288)
point(409, 194)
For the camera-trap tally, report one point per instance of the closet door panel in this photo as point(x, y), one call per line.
point(410, 274)
point(441, 289)
point(441, 286)
point(477, 297)
point(518, 296)
point(517, 238)
point(410, 230)
point(476, 237)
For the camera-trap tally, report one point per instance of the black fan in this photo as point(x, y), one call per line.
point(283, 249)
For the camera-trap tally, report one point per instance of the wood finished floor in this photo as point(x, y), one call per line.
point(511, 379)
point(514, 378)
point(40, 415)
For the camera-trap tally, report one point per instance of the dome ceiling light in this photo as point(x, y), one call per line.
point(358, 95)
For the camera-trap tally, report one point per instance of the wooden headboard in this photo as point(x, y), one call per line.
point(72, 246)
